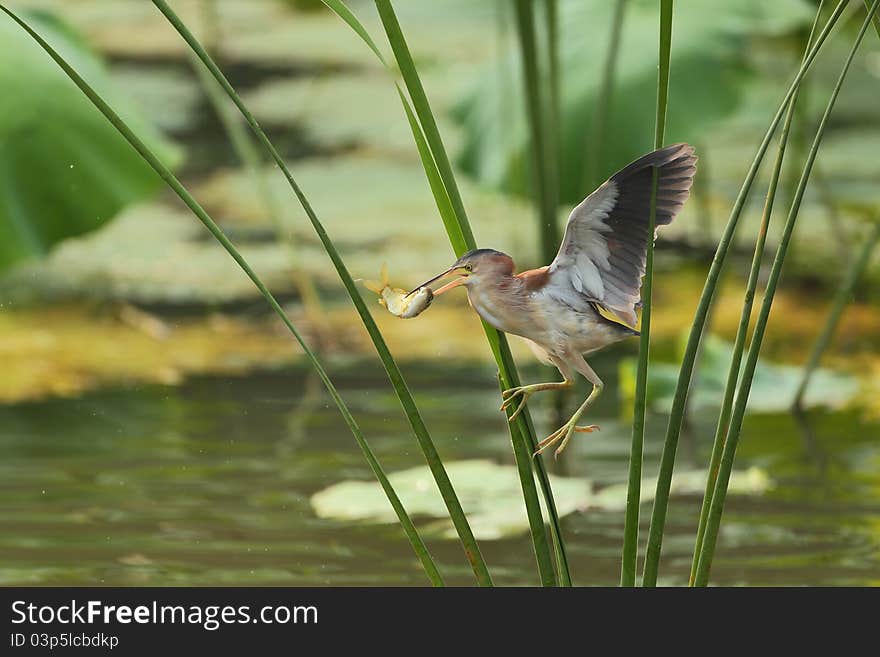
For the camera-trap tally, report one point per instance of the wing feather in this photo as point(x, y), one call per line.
point(603, 252)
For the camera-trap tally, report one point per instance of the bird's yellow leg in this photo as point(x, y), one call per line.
point(564, 433)
point(510, 395)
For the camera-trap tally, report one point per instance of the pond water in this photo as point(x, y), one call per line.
point(208, 483)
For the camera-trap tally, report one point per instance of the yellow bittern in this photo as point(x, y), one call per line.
point(600, 265)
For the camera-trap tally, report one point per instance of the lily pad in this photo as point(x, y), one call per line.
point(490, 494)
point(491, 497)
point(753, 481)
point(773, 387)
point(151, 253)
point(321, 106)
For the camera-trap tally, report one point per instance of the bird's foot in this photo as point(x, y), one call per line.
point(562, 435)
point(510, 395)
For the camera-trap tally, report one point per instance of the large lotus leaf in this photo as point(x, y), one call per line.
point(491, 497)
point(773, 387)
point(64, 170)
point(709, 75)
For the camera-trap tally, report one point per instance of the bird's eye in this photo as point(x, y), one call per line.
point(469, 267)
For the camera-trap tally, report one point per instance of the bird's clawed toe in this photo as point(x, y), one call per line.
point(511, 392)
point(509, 397)
point(562, 435)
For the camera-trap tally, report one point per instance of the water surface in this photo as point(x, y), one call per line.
point(209, 483)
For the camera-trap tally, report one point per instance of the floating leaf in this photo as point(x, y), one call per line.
point(491, 496)
point(753, 481)
point(322, 107)
point(151, 253)
point(489, 493)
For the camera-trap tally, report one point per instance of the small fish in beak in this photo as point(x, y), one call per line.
point(398, 302)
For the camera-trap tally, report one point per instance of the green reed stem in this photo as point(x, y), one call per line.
point(841, 299)
point(435, 464)
point(422, 107)
point(522, 432)
point(876, 18)
point(596, 145)
point(462, 240)
point(739, 343)
point(542, 164)
point(249, 155)
point(676, 418)
point(633, 494)
point(238, 135)
point(553, 113)
point(522, 445)
point(663, 73)
point(169, 178)
point(745, 317)
point(551, 21)
point(742, 396)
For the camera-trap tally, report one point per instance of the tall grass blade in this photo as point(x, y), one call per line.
point(522, 432)
point(552, 123)
point(554, 75)
point(457, 236)
point(742, 396)
point(169, 178)
point(876, 18)
point(453, 505)
point(540, 141)
point(841, 298)
point(594, 149)
point(676, 418)
point(745, 317)
point(663, 73)
point(739, 343)
point(422, 107)
point(633, 494)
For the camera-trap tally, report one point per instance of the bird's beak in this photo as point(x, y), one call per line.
point(451, 284)
point(448, 286)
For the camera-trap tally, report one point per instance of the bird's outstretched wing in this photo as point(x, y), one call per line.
point(603, 252)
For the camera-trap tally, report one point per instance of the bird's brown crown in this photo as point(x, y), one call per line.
point(479, 258)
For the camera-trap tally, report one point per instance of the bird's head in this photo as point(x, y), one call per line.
point(474, 267)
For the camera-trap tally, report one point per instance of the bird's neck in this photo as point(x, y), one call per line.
point(499, 303)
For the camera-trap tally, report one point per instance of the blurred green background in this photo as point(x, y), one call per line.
point(158, 426)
